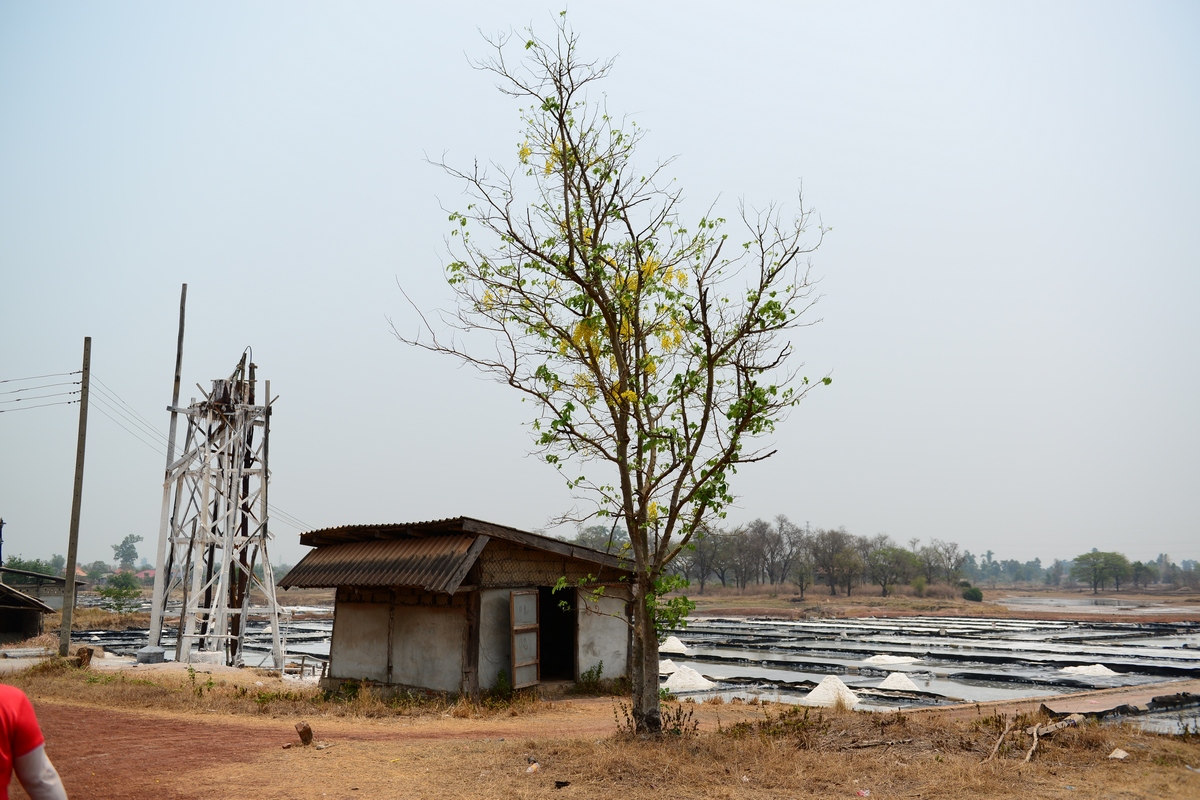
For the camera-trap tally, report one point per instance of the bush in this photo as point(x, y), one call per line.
point(974, 594)
point(123, 593)
point(919, 585)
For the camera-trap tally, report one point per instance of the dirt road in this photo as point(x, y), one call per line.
point(121, 754)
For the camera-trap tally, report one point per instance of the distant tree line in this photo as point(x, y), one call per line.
point(778, 554)
point(1097, 569)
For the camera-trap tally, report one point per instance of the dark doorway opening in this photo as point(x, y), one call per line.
point(557, 638)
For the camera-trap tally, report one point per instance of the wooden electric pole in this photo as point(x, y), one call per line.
point(64, 641)
point(152, 652)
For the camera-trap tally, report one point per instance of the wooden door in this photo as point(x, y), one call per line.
point(523, 612)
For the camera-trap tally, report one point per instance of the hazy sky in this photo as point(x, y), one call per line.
point(1010, 292)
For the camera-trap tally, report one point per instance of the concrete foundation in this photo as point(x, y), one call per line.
point(151, 655)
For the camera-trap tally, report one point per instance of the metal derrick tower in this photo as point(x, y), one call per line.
point(213, 531)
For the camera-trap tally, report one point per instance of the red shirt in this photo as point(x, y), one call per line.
point(19, 732)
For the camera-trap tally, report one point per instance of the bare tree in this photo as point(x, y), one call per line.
point(929, 561)
point(654, 355)
point(708, 549)
point(949, 558)
point(791, 541)
point(833, 556)
point(802, 569)
point(886, 564)
point(745, 555)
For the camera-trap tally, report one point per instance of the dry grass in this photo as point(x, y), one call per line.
point(98, 619)
point(820, 604)
point(939, 599)
point(436, 747)
point(252, 692)
point(48, 641)
point(776, 756)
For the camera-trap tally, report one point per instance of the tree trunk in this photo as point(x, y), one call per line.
point(647, 716)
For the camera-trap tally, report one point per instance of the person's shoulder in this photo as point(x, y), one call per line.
point(10, 694)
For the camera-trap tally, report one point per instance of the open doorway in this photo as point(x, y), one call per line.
point(557, 634)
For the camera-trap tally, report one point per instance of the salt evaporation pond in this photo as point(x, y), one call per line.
point(949, 659)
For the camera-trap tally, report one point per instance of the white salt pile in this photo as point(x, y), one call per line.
point(686, 679)
point(1093, 670)
point(672, 645)
point(829, 693)
point(666, 667)
point(899, 682)
point(881, 659)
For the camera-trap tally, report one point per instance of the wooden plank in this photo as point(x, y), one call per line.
point(544, 543)
point(525, 638)
point(450, 585)
point(471, 657)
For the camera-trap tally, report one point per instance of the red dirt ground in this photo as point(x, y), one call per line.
point(107, 753)
point(112, 753)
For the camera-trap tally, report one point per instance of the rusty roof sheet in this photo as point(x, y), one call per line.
point(434, 563)
point(12, 598)
point(440, 528)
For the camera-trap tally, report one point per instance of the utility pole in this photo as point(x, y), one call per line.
point(152, 653)
point(1, 540)
point(64, 641)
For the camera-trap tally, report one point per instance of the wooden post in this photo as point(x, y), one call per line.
point(64, 639)
point(161, 579)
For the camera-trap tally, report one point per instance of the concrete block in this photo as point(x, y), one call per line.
point(207, 657)
point(151, 655)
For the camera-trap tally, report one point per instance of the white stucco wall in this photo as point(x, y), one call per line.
point(602, 636)
point(359, 646)
point(494, 637)
point(427, 646)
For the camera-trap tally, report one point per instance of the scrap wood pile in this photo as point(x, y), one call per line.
point(1038, 731)
point(992, 738)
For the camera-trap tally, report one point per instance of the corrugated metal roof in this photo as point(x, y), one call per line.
point(326, 537)
point(434, 563)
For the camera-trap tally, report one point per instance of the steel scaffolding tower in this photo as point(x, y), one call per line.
point(213, 531)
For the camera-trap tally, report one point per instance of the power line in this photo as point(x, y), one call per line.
point(117, 422)
point(128, 405)
point(39, 377)
point(114, 406)
point(109, 399)
point(43, 405)
point(22, 400)
point(42, 386)
point(287, 518)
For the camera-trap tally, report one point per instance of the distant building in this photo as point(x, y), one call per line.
point(21, 616)
point(47, 588)
point(451, 604)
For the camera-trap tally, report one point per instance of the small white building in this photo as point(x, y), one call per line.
point(448, 605)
